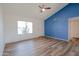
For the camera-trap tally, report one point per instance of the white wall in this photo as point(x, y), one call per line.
point(10, 22)
point(1, 31)
point(26, 12)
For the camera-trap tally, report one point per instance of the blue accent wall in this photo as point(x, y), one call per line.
point(57, 24)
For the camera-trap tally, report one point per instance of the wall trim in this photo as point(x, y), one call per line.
point(24, 40)
point(73, 18)
point(58, 38)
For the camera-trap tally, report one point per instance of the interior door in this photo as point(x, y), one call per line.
point(74, 28)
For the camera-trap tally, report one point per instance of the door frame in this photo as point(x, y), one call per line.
point(73, 18)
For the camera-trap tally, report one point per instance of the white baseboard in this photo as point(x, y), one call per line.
point(58, 38)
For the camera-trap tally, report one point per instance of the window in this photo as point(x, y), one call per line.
point(24, 27)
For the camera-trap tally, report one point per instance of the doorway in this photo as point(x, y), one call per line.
point(73, 28)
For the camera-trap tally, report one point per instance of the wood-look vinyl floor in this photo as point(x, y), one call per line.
point(41, 46)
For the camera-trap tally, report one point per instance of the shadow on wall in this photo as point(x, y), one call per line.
point(1, 31)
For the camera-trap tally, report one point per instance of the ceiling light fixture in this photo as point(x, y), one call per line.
point(43, 8)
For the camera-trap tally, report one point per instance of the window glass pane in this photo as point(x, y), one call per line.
point(24, 27)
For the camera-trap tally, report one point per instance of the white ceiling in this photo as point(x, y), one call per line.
point(31, 10)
